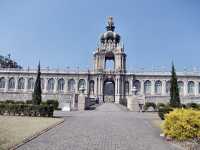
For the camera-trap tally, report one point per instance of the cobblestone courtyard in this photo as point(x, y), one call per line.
point(109, 127)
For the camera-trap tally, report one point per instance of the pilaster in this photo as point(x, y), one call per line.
point(25, 84)
point(16, 83)
point(185, 89)
point(6, 84)
point(66, 85)
point(152, 87)
point(55, 85)
point(163, 87)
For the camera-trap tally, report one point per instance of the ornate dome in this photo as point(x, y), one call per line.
point(110, 34)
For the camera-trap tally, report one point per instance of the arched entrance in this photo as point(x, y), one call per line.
point(109, 91)
point(109, 61)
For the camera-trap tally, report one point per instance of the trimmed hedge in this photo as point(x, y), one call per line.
point(192, 105)
point(19, 102)
point(26, 110)
point(159, 105)
point(149, 104)
point(29, 102)
point(52, 102)
point(10, 101)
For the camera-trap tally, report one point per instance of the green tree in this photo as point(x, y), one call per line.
point(174, 90)
point(36, 96)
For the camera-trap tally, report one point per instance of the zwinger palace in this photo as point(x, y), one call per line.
point(106, 85)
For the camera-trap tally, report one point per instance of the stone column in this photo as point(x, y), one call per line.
point(6, 84)
point(97, 86)
point(101, 89)
point(142, 87)
point(76, 85)
point(86, 86)
point(66, 85)
point(55, 85)
point(185, 89)
point(117, 91)
point(16, 83)
point(45, 85)
point(196, 88)
point(130, 86)
point(163, 87)
point(25, 84)
point(152, 87)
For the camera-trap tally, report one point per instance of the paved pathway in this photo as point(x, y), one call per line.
point(109, 127)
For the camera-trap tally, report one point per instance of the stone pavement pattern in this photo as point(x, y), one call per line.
point(109, 127)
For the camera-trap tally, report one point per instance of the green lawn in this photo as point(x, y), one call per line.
point(14, 129)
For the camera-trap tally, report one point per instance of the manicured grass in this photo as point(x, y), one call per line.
point(14, 129)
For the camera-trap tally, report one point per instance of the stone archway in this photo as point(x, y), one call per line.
point(109, 91)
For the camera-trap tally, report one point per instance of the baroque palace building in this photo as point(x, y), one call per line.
point(100, 82)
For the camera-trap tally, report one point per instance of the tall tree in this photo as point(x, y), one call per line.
point(174, 91)
point(36, 96)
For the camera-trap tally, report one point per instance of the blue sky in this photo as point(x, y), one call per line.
point(64, 33)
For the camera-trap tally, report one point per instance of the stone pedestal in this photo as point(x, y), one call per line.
point(132, 104)
point(81, 102)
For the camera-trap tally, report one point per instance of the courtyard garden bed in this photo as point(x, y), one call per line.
point(17, 129)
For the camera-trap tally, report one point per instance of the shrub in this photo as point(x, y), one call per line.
point(192, 105)
point(29, 102)
point(164, 110)
point(10, 101)
point(19, 102)
point(159, 105)
point(149, 104)
point(2, 108)
point(54, 103)
point(183, 105)
point(27, 109)
point(182, 124)
point(43, 103)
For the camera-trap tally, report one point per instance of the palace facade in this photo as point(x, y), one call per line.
point(107, 85)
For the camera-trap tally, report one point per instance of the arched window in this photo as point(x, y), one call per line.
point(81, 84)
point(168, 86)
point(137, 85)
point(50, 85)
point(109, 61)
point(2, 83)
point(158, 87)
point(11, 83)
point(71, 85)
point(127, 88)
point(147, 87)
point(30, 83)
point(191, 87)
point(61, 84)
point(180, 87)
point(21, 82)
point(199, 87)
point(42, 83)
point(91, 87)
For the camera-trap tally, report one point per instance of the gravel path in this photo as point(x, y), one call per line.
point(109, 127)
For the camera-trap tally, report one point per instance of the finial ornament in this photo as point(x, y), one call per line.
point(110, 21)
point(110, 26)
